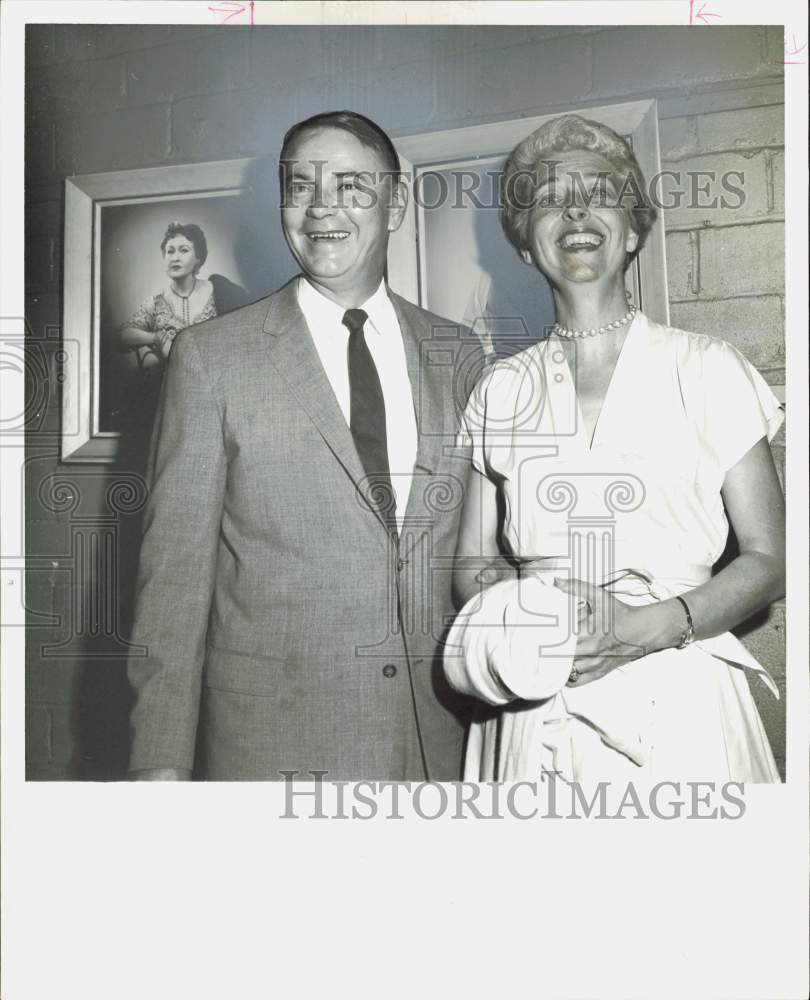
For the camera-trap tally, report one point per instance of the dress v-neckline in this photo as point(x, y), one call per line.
point(590, 440)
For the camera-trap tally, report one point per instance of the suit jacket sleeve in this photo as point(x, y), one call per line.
point(178, 561)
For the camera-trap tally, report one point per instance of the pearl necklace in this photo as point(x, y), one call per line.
point(185, 298)
point(560, 331)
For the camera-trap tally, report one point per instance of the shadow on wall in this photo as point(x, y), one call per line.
point(102, 527)
point(514, 299)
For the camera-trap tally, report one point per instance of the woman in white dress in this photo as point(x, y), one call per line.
point(608, 461)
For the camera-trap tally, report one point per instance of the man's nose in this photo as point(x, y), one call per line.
point(320, 205)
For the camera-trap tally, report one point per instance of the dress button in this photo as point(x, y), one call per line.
point(389, 670)
point(558, 377)
point(558, 357)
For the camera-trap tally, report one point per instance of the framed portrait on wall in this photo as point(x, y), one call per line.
point(148, 253)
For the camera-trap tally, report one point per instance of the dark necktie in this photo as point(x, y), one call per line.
point(367, 416)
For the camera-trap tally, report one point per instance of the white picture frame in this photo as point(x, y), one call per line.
point(83, 439)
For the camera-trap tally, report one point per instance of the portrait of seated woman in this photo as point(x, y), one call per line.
point(141, 345)
point(186, 299)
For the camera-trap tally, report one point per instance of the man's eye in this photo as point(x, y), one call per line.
point(300, 187)
point(348, 185)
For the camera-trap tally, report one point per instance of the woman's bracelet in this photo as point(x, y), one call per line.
point(688, 634)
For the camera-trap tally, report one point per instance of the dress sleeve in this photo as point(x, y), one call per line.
point(473, 421)
point(144, 318)
point(739, 406)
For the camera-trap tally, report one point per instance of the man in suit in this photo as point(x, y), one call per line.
point(305, 492)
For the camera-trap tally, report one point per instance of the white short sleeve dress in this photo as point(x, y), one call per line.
point(638, 510)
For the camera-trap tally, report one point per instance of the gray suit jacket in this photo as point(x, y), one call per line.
point(282, 627)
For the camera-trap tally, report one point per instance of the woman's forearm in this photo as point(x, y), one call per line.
point(748, 584)
point(132, 337)
point(471, 574)
point(479, 562)
point(755, 507)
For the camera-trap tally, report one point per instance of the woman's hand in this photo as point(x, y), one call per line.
point(495, 570)
point(162, 344)
point(609, 632)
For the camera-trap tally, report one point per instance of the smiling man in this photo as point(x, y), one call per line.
point(294, 581)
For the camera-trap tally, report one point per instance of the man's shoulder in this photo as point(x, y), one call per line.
point(432, 324)
point(239, 328)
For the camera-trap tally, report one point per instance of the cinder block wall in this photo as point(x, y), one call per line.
point(116, 98)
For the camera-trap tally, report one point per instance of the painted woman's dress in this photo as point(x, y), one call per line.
point(637, 510)
point(158, 316)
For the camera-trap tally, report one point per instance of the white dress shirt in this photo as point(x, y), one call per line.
point(384, 339)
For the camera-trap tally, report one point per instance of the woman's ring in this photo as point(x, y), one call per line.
point(574, 676)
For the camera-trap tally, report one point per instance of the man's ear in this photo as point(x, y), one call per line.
point(398, 204)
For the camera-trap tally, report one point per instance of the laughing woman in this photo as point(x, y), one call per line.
point(608, 462)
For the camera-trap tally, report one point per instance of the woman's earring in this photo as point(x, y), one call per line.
point(526, 257)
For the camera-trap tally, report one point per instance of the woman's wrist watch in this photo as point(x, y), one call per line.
point(688, 634)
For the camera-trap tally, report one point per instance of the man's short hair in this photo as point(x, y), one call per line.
point(363, 129)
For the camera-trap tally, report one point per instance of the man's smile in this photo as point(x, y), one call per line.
point(329, 235)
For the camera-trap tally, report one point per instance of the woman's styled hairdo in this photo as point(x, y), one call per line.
point(363, 129)
point(526, 168)
point(192, 233)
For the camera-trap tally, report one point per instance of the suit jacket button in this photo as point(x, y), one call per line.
point(389, 670)
point(400, 565)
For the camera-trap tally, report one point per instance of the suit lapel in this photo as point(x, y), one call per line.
point(295, 357)
point(432, 386)
point(426, 387)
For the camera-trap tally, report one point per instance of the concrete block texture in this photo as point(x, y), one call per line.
point(778, 181)
point(631, 60)
point(117, 140)
point(749, 128)
point(42, 263)
point(683, 271)
point(40, 161)
point(226, 126)
point(43, 218)
point(76, 88)
point(754, 325)
point(677, 137)
point(740, 129)
point(90, 42)
point(40, 44)
point(742, 260)
point(480, 84)
point(50, 742)
point(206, 64)
point(37, 735)
point(714, 189)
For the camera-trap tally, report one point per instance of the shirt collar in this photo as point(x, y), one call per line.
point(321, 310)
